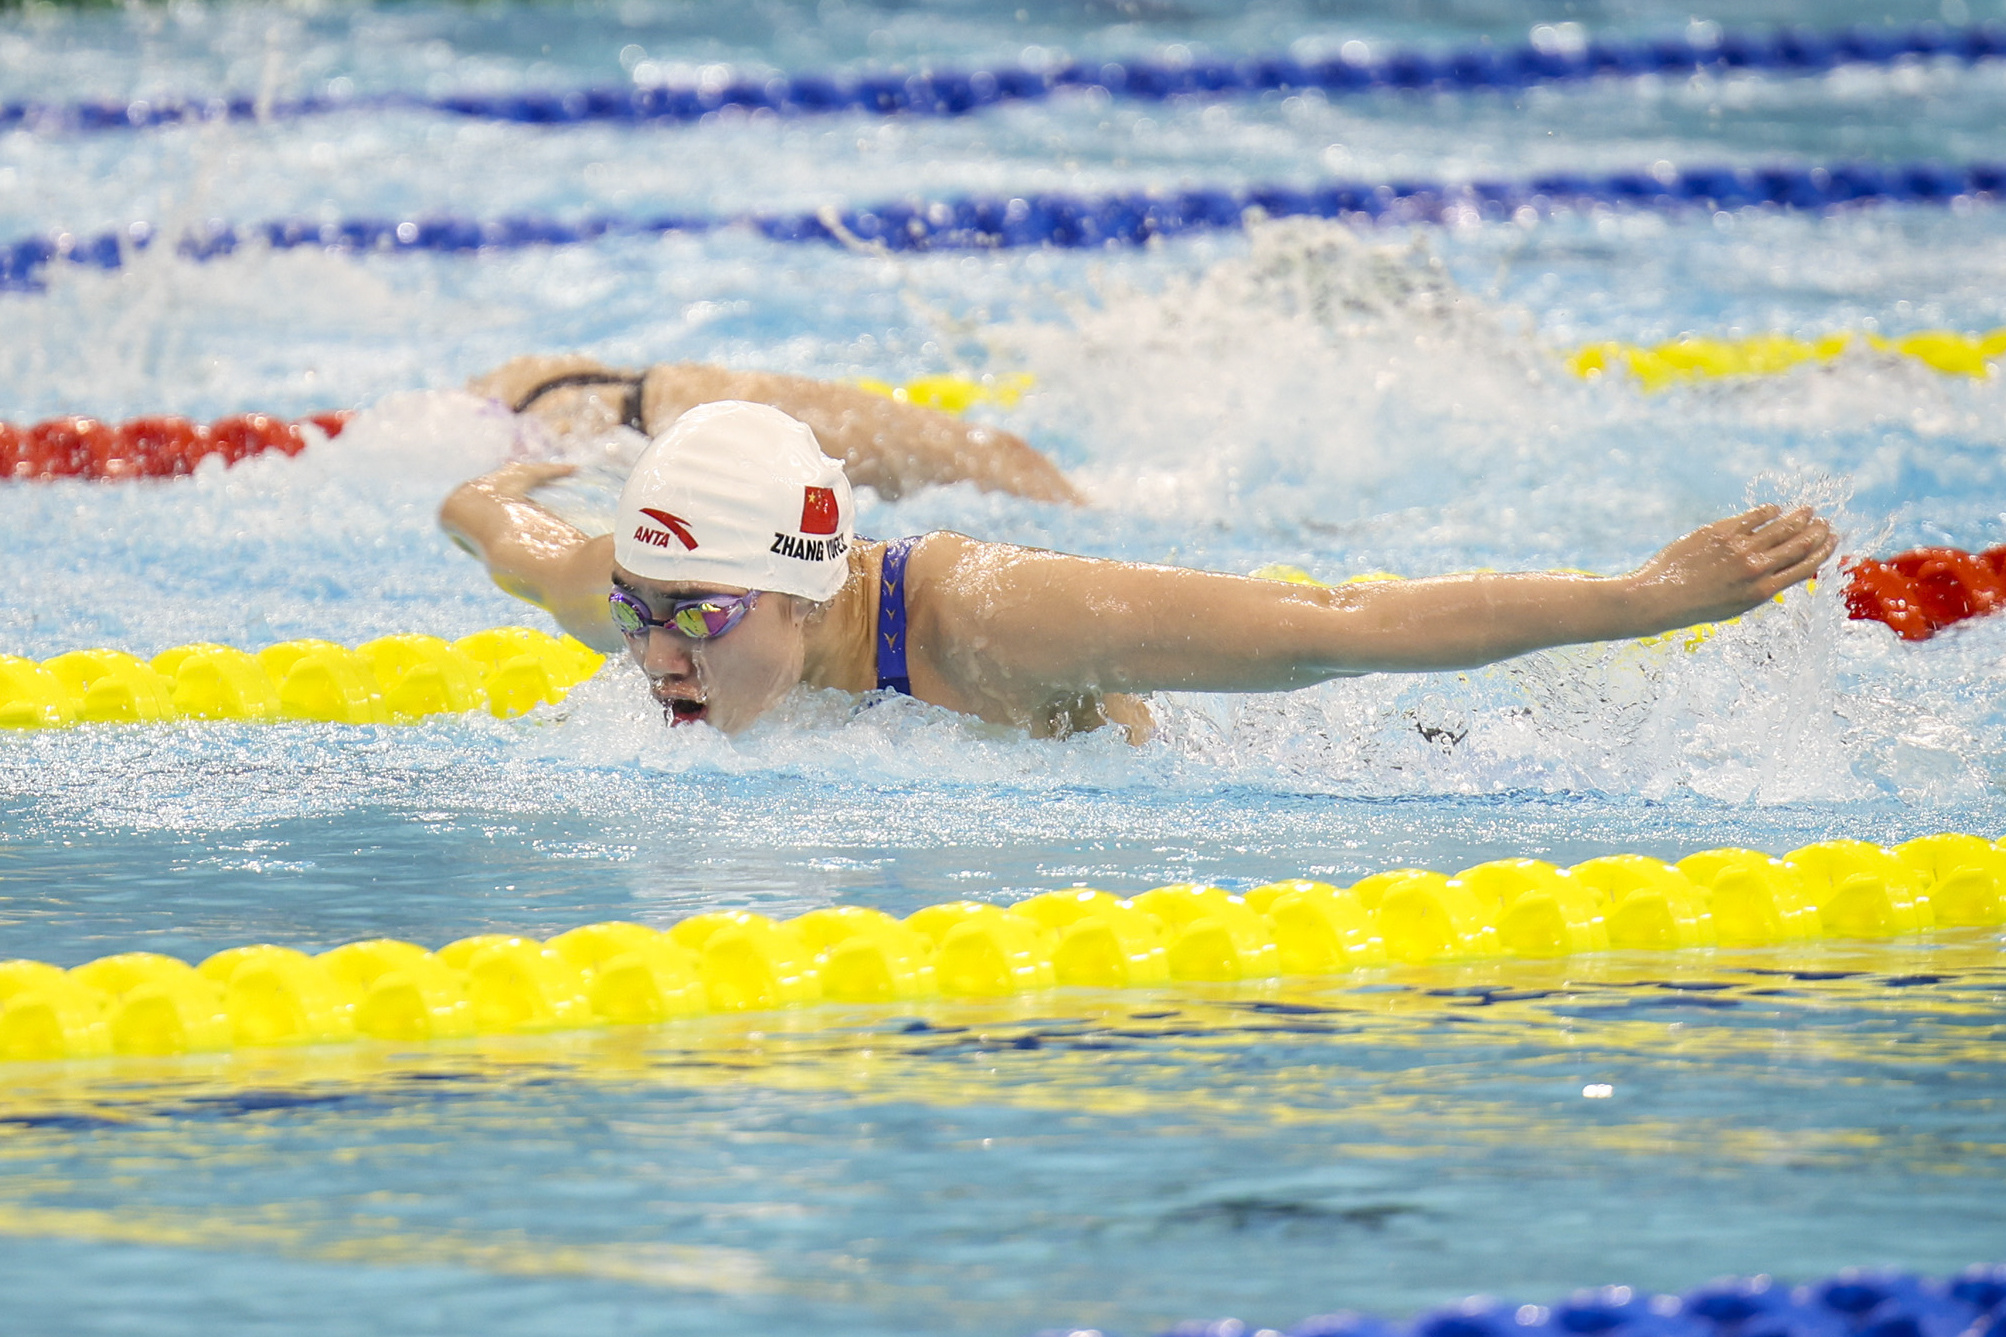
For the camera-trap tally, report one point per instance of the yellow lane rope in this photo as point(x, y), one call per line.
point(390, 680)
point(1654, 366)
point(1699, 358)
point(954, 394)
point(608, 974)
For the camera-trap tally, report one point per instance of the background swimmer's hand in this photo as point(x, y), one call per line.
point(1731, 565)
point(519, 478)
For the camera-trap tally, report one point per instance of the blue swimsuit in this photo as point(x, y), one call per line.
point(891, 617)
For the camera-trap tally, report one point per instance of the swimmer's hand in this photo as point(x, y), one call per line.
point(1730, 566)
point(519, 478)
point(1060, 622)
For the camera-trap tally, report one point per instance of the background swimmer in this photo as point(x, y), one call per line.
point(735, 577)
point(890, 446)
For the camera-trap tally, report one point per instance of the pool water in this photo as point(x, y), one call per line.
point(1343, 401)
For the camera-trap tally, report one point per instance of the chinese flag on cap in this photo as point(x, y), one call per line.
point(818, 511)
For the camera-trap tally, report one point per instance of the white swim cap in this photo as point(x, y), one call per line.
point(737, 494)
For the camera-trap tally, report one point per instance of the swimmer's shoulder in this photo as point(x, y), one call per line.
point(520, 376)
point(948, 556)
point(942, 559)
point(956, 586)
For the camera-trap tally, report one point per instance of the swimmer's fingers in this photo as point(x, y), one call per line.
point(1799, 559)
point(1731, 565)
point(1754, 556)
point(1782, 528)
point(1788, 538)
point(1748, 522)
point(1743, 547)
point(1765, 557)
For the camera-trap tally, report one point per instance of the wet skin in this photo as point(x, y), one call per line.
point(1055, 643)
point(726, 681)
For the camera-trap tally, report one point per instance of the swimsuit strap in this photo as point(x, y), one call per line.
point(891, 617)
point(630, 408)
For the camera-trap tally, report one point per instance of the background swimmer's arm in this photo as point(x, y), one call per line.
point(1072, 623)
point(883, 444)
point(532, 553)
point(513, 380)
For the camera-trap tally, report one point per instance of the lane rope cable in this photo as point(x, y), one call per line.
point(1854, 1303)
point(618, 973)
point(1558, 54)
point(1699, 357)
point(160, 446)
point(400, 679)
point(1068, 221)
point(167, 446)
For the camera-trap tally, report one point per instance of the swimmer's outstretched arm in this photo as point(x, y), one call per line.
point(883, 444)
point(1068, 623)
point(534, 554)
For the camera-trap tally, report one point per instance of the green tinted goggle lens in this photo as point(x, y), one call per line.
point(699, 619)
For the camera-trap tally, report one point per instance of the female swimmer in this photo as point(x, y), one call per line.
point(735, 577)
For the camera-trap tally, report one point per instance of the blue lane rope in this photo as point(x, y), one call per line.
point(1851, 1304)
point(1001, 222)
point(959, 92)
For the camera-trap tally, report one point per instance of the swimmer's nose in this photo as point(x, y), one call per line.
point(669, 658)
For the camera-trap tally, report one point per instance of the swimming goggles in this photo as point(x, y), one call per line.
point(703, 619)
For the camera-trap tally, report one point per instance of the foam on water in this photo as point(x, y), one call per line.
point(1288, 402)
point(1343, 402)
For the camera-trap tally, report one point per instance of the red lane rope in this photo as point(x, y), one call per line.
point(157, 447)
point(1920, 592)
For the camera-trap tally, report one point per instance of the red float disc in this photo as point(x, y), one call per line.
point(69, 447)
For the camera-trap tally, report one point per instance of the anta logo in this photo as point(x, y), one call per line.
point(809, 550)
point(675, 525)
point(818, 511)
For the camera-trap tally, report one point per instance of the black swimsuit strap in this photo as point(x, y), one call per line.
point(630, 408)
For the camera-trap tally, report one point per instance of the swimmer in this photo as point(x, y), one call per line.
point(893, 447)
point(732, 576)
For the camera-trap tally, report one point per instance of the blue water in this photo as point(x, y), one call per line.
point(1336, 400)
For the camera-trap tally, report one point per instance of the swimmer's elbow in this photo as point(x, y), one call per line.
point(473, 516)
point(455, 516)
point(461, 505)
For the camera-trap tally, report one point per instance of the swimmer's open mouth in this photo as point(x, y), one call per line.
point(682, 710)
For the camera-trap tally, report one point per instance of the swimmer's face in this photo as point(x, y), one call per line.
point(725, 681)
